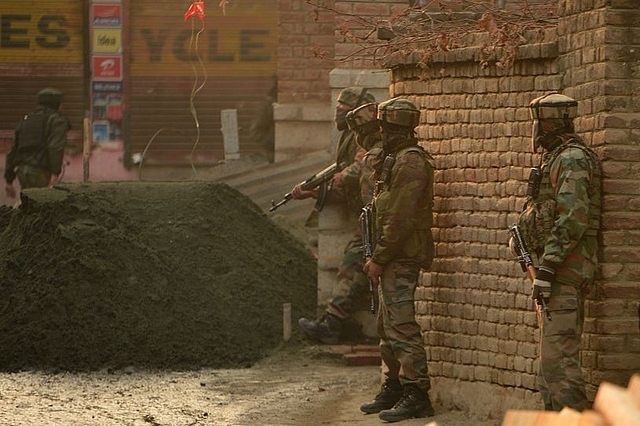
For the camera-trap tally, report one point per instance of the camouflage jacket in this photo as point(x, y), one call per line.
point(350, 166)
point(28, 149)
point(371, 163)
point(403, 209)
point(561, 222)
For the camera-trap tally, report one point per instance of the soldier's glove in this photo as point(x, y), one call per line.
point(542, 284)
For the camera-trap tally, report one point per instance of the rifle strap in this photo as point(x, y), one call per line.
point(385, 173)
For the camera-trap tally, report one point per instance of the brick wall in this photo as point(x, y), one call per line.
point(305, 52)
point(314, 44)
point(305, 58)
point(475, 306)
point(358, 17)
point(598, 46)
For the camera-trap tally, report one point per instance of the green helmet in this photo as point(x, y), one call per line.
point(355, 96)
point(399, 112)
point(363, 117)
point(363, 121)
point(552, 115)
point(50, 97)
point(552, 106)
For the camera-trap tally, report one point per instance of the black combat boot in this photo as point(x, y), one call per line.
point(327, 330)
point(414, 403)
point(390, 393)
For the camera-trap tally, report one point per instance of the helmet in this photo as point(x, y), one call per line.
point(399, 112)
point(363, 119)
point(355, 96)
point(364, 122)
point(554, 105)
point(552, 115)
point(50, 97)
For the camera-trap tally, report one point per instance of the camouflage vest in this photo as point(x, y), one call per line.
point(419, 246)
point(539, 214)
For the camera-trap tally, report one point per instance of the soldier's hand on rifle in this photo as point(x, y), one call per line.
point(360, 154)
point(373, 270)
point(542, 284)
point(300, 194)
point(337, 180)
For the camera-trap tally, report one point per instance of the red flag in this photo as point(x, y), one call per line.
point(196, 9)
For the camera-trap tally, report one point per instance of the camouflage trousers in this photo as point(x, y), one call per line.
point(32, 177)
point(401, 344)
point(559, 373)
point(352, 284)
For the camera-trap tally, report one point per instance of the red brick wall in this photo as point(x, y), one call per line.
point(600, 62)
point(475, 307)
point(313, 42)
point(305, 52)
point(356, 18)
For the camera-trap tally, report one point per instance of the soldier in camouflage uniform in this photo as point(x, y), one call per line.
point(344, 189)
point(402, 204)
point(38, 145)
point(560, 224)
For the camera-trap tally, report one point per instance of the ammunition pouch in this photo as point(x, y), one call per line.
point(536, 222)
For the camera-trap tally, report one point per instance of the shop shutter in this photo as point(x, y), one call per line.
point(180, 73)
point(41, 45)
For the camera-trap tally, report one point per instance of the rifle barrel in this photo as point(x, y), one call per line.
point(284, 200)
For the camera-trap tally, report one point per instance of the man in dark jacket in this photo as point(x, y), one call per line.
point(38, 145)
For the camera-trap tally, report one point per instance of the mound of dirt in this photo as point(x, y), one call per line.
point(157, 275)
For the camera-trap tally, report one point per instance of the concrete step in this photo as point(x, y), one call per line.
point(241, 175)
point(264, 182)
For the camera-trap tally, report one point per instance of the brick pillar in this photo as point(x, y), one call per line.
point(600, 63)
point(305, 48)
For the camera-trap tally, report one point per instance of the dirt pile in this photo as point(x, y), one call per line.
point(158, 275)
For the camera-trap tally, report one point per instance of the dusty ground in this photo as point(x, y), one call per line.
point(295, 386)
point(161, 304)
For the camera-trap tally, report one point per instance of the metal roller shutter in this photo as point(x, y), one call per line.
point(182, 72)
point(41, 45)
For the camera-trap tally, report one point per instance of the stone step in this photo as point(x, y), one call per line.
point(292, 170)
point(269, 182)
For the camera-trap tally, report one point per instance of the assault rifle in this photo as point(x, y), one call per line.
point(526, 263)
point(366, 228)
point(321, 179)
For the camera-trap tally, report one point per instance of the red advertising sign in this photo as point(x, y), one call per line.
point(106, 15)
point(107, 68)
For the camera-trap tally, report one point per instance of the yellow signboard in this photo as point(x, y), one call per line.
point(242, 44)
point(45, 31)
point(107, 40)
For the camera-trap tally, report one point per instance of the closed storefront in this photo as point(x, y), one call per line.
point(152, 79)
point(184, 70)
point(41, 45)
